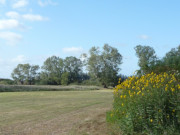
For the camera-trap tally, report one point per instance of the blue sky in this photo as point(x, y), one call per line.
point(32, 30)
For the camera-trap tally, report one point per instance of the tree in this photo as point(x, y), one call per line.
point(65, 78)
point(73, 66)
point(52, 68)
point(171, 61)
point(25, 73)
point(147, 58)
point(104, 65)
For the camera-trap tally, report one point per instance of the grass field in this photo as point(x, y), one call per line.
point(54, 112)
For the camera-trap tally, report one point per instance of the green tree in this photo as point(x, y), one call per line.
point(170, 62)
point(65, 78)
point(73, 66)
point(52, 70)
point(104, 65)
point(147, 58)
point(25, 73)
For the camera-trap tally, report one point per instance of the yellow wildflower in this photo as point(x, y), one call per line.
point(172, 89)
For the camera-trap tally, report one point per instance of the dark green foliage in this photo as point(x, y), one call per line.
point(52, 70)
point(73, 66)
point(104, 66)
point(25, 74)
point(148, 61)
point(170, 63)
point(6, 81)
point(147, 58)
point(65, 78)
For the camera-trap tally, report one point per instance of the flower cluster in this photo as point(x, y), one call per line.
point(148, 103)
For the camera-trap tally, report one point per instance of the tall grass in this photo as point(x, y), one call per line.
point(18, 88)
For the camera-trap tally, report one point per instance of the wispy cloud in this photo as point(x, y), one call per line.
point(145, 37)
point(20, 4)
point(74, 50)
point(32, 17)
point(19, 59)
point(2, 1)
point(28, 17)
point(10, 24)
point(11, 38)
point(7, 65)
point(46, 2)
point(13, 15)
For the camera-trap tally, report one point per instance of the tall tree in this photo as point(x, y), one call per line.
point(104, 65)
point(73, 66)
point(52, 70)
point(25, 73)
point(147, 58)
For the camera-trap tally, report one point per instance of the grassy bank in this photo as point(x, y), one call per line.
point(55, 112)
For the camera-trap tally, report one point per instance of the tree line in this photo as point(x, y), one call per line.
point(149, 61)
point(102, 66)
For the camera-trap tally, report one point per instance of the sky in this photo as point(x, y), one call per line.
point(33, 30)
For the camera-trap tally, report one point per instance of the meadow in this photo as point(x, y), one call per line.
point(55, 112)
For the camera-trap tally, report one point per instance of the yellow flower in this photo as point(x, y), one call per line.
point(172, 89)
point(142, 94)
point(173, 110)
point(138, 92)
point(122, 104)
point(178, 86)
point(151, 120)
point(121, 96)
point(124, 96)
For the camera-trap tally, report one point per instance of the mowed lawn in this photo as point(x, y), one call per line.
point(54, 112)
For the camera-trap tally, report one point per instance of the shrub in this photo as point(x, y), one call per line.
point(149, 104)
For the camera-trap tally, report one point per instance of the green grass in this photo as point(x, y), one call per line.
point(47, 112)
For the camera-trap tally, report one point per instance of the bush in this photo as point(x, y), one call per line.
point(149, 104)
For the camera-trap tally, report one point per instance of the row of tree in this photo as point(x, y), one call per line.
point(102, 66)
point(99, 66)
point(149, 62)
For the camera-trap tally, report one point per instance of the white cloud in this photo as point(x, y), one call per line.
point(145, 37)
point(32, 17)
point(2, 1)
point(13, 14)
point(1, 60)
point(29, 17)
point(7, 65)
point(10, 24)
point(19, 59)
point(73, 50)
point(20, 3)
point(10, 37)
point(46, 2)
